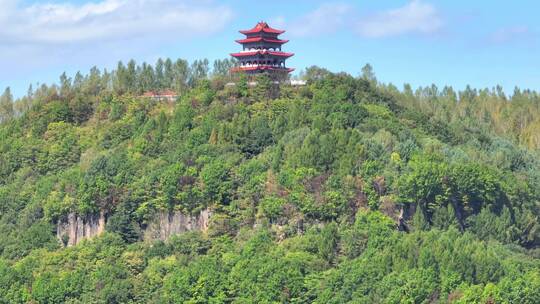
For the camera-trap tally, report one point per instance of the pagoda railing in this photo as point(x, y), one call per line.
point(262, 65)
point(260, 49)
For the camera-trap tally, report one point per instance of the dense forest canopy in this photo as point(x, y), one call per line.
point(342, 190)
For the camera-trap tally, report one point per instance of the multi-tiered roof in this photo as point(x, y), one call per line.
point(262, 51)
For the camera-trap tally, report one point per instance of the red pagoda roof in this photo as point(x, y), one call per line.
point(262, 27)
point(259, 39)
point(260, 68)
point(262, 52)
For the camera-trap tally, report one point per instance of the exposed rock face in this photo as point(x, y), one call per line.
point(406, 213)
point(167, 224)
point(75, 229)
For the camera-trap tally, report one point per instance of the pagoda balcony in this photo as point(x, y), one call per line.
point(260, 67)
point(248, 50)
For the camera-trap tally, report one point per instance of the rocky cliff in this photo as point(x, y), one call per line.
point(167, 224)
point(73, 229)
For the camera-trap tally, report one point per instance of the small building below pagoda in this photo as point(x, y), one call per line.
point(262, 51)
point(164, 95)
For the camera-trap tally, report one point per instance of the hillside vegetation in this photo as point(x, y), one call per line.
point(345, 190)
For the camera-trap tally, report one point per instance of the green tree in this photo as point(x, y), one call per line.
point(222, 67)
point(6, 105)
point(199, 70)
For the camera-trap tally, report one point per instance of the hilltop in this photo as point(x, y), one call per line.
point(342, 190)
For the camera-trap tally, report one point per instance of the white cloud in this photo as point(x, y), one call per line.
point(414, 17)
point(61, 23)
point(511, 34)
point(326, 19)
point(278, 22)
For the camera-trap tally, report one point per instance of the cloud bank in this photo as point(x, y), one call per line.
point(326, 19)
point(416, 17)
point(61, 23)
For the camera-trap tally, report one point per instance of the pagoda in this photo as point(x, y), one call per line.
point(262, 51)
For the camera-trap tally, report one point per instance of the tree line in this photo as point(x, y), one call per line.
point(344, 190)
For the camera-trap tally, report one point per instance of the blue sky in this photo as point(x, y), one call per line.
point(454, 42)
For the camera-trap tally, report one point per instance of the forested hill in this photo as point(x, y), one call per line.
point(343, 190)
